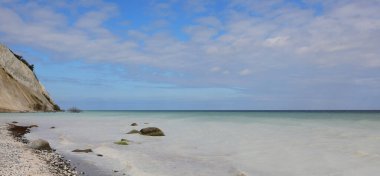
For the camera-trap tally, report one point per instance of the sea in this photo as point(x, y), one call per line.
point(214, 143)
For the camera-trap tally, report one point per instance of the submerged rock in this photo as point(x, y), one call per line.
point(241, 174)
point(52, 127)
point(82, 150)
point(39, 144)
point(152, 131)
point(134, 124)
point(134, 132)
point(122, 142)
point(19, 131)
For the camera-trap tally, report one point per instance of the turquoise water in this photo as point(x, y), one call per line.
point(286, 143)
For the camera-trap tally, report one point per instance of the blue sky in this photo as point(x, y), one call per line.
point(200, 54)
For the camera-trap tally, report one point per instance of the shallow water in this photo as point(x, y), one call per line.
point(216, 143)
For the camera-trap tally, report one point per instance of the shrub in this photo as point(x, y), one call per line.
point(74, 110)
point(31, 66)
point(56, 108)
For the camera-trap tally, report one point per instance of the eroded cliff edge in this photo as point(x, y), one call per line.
point(20, 90)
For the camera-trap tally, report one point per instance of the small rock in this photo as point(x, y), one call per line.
point(52, 127)
point(133, 132)
point(99, 155)
point(39, 144)
point(134, 124)
point(14, 122)
point(82, 150)
point(122, 142)
point(152, 131)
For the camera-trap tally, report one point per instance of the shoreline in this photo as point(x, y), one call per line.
point(16, 158)
point(40, 162)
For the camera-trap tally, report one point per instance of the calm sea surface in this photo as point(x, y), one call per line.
point(205, 143)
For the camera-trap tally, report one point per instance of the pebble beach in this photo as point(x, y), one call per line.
point(16, 159)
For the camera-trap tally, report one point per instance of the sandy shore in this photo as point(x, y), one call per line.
point(17, 159)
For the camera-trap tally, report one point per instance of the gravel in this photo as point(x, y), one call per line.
point(17, 159)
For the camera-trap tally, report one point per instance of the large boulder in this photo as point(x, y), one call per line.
point(40, 144)
point(152, 131)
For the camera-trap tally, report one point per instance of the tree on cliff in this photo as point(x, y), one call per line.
point(19, 57)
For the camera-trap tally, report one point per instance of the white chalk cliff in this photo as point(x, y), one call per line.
point(20, 90)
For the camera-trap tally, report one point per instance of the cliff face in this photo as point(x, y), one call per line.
point(20, 90)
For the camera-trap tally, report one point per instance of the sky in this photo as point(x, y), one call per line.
point(200, 54)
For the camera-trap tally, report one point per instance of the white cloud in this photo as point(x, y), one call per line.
point(215, 69)
point(226, 72)
point(245, 72)
point(210, 21)
point(347, 32)
point(276, 41)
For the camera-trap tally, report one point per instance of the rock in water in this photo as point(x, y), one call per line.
point(122, 142)
point(134, 124)
point(133, 132)
point(39, 144)
point(152, 131)
point(19, 131)
point(20, 90)
point(84, 150)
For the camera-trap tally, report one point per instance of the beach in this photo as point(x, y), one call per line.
point(213, 143)
point(18, 159)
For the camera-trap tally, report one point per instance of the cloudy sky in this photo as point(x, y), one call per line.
point(200, 54)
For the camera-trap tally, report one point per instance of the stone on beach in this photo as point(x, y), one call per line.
point(152, 131)
point(39, 144)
